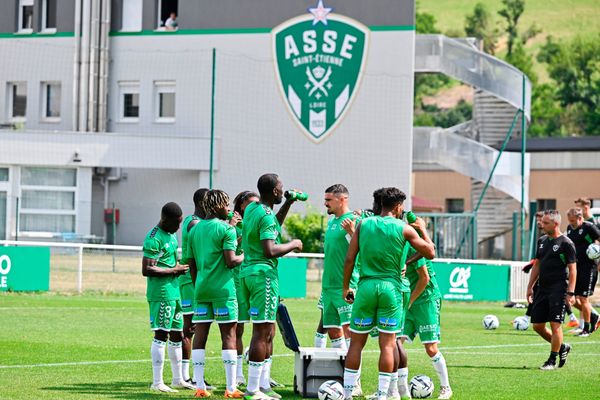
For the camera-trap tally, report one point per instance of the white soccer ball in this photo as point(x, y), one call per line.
point(490, 322)
point(593, 251)
point(331, 390)
point(421, 387)
point(521, 323)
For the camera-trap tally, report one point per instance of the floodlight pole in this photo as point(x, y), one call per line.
point(212, 120)
point(523, 151)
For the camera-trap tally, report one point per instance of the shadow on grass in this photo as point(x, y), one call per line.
point(523, 368)
point(135, 390)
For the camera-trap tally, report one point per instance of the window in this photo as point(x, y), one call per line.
point(165, 8)
point(49, 16)
point(17, 100)
point(546, 204)
point(3, 174)
point(51, 101)
point(132, 16)
point(455, 205)
point(25, 16)
point(48, 199)
point(164, 101)
point(130, 101)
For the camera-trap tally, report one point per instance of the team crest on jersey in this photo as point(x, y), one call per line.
point(319, 61)
point(580, 231)
point(555, 248)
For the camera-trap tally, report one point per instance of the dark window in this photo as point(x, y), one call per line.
point(19, 99)
point(546, 204)
point(27, 17)
point(131, 105)
point(50, 21)
point(455, 205)
point(52, 100)
point(166, 8)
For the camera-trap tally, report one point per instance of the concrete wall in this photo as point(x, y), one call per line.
point(437, 186)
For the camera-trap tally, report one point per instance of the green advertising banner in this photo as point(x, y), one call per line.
point(473, 281)
point(24, 268)
point(292, 277)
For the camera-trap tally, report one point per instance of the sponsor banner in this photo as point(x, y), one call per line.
point(24, 268)
point(473, 282)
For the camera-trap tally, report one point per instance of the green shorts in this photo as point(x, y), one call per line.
point(166, 315)
point(187, 298)
point(221, 311)
point(423, 319)
point(320, 302)
point(336, 312)
point(260, 293)
point(379, 304)
point(243, 315)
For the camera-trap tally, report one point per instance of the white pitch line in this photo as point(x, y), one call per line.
point(449, 350)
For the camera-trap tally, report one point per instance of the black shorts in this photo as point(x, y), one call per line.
point(529, 305)
point(587, 277)
point(549, 305)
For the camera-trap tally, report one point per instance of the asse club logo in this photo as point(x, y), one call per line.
point(319, 61)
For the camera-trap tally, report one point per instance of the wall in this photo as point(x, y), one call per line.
point(437, 186)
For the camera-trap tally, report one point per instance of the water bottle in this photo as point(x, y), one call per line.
point(295, 195)
point(410, 217)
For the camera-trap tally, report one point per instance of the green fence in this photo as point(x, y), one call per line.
point(292, 277)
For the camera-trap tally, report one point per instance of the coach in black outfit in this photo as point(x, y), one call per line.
point(584, 233)
point(555, 271)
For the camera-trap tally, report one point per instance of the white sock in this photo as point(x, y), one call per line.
point(265, 376)
point(339, 343)
point(393, 390)
point(347, 343)
point(175, 355)
point(385, 379)
point(403, 382)
point(185, 369)
point(254, 372)
point(320, 340)
point(350, 378)
point(581, 321)
point(230, 361)
point(439, 364)
point(157, 353)
point(240, 367)
point(199, 362)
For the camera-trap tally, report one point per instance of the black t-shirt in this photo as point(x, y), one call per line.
point(594, 221)
point(553, 255)
point(582, 237)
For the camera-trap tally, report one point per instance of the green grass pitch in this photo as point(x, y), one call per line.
point(97, 347)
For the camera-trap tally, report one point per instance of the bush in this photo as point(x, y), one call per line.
point(310, 228)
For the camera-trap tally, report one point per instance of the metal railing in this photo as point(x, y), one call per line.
point(454, 234)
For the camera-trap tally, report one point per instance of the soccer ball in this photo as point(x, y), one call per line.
point(593, 251)
point(331, 390)
point(421, 387)
point(521, 323)
point(490, 322)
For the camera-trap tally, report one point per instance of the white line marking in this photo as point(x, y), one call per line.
point(448, 350)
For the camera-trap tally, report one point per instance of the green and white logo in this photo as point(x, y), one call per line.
point(319, 61)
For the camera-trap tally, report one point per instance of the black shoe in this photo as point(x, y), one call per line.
point(594, 319)
point(548, 365)
point(208, 385)
point(193, 382)
point(564, 352)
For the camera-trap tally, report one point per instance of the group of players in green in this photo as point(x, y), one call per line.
point(377, 280)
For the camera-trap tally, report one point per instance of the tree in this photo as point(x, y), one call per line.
point(309, 228)
point(425, 23)
point(575, 67)
point(480, 25)
point(512, 11)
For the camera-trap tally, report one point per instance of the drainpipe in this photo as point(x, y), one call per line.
point(76, 66)
point(85, 66)
point(104, 65)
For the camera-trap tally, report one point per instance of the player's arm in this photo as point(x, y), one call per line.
point(414, 258)
point(421, 284)
point(283, 210)
point(349, 263)
point(572, 277)
point(420, 241)
point(535, 273)
point(571, 259)
point(151, 268)
point(272, 250)
point(231, 260)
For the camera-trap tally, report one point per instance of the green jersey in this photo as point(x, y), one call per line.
point(260, 224)
point(161, 246)
point(432, 290)
point(381, 244)
point(337, 241)
point(185, 231)
point(206, 243)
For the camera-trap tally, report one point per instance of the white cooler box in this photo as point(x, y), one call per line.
point(313, 366)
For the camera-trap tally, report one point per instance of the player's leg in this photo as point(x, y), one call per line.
point(160, 324)
point(226, 316)
point(187, 299)
point(266, 383)
point(594, 316)
point(243, 317)
point(586, 311)
point(331, 319)
point(390, 314)
point(174, 349)
point(353, 360)
point(321, 333)
point(402, 368)
point(428, 317)
point(202, 319)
